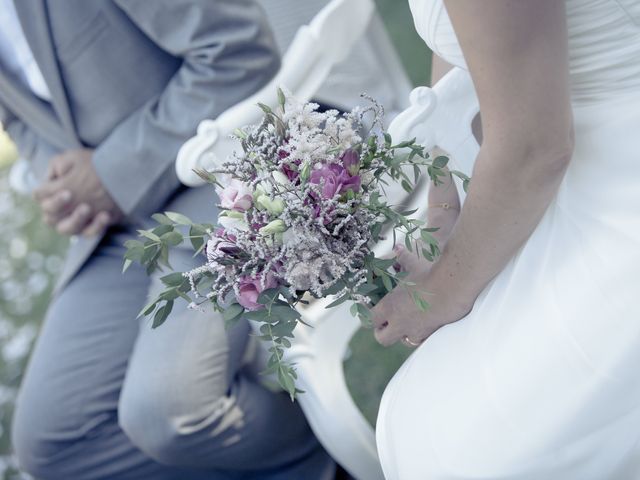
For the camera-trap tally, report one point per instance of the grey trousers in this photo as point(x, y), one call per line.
point(107, 397)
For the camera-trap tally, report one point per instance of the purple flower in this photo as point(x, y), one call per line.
point(291, 173)
point(351, 161)
point(221, 245)
point(251, 288)
point(334, 179)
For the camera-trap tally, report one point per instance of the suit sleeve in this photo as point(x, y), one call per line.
point(228, 53)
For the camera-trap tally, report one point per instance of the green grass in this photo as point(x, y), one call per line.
point(368, 369)
point(414, 53)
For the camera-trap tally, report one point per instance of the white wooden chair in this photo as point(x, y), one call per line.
point(434, 117)
point(315, 55)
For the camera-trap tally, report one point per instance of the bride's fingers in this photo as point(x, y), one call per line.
point(388, 336)
point(380, 314)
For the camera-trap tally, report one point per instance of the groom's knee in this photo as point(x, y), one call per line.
point(172, 434)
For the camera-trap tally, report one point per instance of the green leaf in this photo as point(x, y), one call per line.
point(265, 108)
point(162, 314)
point(150, 252)
point(259, 315)
point(386, 281)
point(339, 301)
point(427, 254)
point(205, 282)
point(440, 162)
point(416, 173)
point(282, 99)
point(232, 312)
point(126, 265)
point(161, 218)
point(364, 314)
point(179, 218)
point(133, 244)
point(421, 303)
point(206, 176)
point(160, 230)
point(169, 294)
point(269, 296)
point(367, 288)
point(428, 238)
point(164, 256)
point(148, 309)
point(197, 234)
point(284, 312)
point(173, 279)
point(407, 243)
point(149, 234)
point(405, 144)
point(287, 382)
point(172, 238)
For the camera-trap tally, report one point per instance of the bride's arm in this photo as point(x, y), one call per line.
point(439, 68)
point(516, 51)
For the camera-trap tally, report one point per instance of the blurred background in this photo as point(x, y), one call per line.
point(31, 256)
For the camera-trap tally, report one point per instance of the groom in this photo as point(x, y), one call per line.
point(99, 96)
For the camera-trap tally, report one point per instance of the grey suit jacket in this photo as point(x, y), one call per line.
point(132, 79)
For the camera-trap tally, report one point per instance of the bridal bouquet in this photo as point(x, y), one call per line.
point(301, 206)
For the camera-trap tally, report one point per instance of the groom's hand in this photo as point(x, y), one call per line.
point(73, 199)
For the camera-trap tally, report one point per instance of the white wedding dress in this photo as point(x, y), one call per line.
point(541, 380)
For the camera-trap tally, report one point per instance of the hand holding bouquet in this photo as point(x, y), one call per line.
point(300, 209)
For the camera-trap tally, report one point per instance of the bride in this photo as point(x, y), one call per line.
point(528, 360)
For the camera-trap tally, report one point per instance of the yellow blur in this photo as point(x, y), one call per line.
point(8, 151)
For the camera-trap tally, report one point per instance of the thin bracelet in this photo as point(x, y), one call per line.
point(444, 206)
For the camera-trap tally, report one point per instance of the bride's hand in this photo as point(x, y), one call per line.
point(396, 317)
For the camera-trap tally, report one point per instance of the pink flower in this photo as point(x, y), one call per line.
point(251, 288)
point(235, 196)
point(335, 179)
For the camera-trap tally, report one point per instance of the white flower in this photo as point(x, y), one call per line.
point(274, 207)
point(230, 224)
point(280, 178)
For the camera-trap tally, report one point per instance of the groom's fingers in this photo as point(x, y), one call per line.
point(99, 223)
point(76, 221)
point(56, 203)
point(47, 189)
point(58, 166)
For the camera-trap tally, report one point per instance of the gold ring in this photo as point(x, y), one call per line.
point(444, 206)
point(409, 342)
